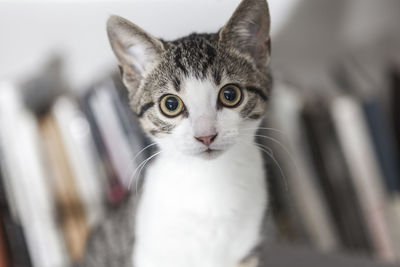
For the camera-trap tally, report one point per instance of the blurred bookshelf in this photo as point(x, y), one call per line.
point(65, 161)
point(334, 166)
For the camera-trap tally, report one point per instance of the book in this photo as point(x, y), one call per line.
point(364, 77)
point(71, 213)
point(368, 182)
point(4, 249)
point(307, 194)
point(383, 142)
point(28, 194)
point(19, 254)
point(394, 83)
point(77, 139)
point(115, 191)
point(334, 178)
point(13, 239)
point(111, 130)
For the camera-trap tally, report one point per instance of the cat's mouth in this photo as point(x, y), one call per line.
point(210, 153)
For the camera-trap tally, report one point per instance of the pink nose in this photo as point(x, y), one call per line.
point(206, 140)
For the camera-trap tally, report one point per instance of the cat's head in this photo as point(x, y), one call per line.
point(201, 94)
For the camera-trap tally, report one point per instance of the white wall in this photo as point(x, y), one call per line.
point(31, 30)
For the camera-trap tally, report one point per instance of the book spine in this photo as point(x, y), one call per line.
point(114, 189)
point(352, 130)
point(4, 250)
point(70, 210)
point(306, 192)
point(76, 137)
point(116, 142)
point(39, 221)
point(13, 239)
point(25, 181)
point(383, 142)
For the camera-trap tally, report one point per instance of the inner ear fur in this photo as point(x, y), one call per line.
point(136, 50)
point(248, 30)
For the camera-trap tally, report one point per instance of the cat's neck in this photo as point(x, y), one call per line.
point(186, 200)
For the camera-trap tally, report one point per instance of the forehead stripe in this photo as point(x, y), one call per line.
point(178, 61)
point(217, 76)
point(144, 108)
point(177, 83)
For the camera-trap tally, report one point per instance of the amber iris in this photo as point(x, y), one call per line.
point(230, 96)
point(171, 105)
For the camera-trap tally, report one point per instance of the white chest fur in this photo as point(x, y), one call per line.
point(201, 213)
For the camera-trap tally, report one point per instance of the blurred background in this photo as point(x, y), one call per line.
point(69, 144)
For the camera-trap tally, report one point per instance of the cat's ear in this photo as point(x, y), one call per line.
point(136, 50)
point(248, 30)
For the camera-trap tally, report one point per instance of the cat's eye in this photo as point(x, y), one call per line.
point(171, 105)
point(230, 96)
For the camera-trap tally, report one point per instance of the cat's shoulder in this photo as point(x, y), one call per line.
point(113, 238)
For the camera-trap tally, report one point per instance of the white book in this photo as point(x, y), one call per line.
point(307, 194)
point(80, 150)
point(26, 181)
point(111, 130)
point(368, 181)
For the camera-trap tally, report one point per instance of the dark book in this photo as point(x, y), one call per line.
point(395, 106)
point(334, 177)
point(115, 190)
point(384, 143)
point(14, 234)
point(303, 197)
point(14, 250)
point(4, 250)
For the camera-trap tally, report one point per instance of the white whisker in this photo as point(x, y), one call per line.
point(140, 171)
point(134, 159)
point(269, 152)
point(140, 167)
point(279, 143)
point(266, 128)
point(140, 152)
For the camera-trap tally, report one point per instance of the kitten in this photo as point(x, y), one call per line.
point(201, 98)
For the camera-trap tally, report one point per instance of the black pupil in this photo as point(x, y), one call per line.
point(171, 103)
point(230, 94)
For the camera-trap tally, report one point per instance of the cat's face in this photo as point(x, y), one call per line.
point(201, 94)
